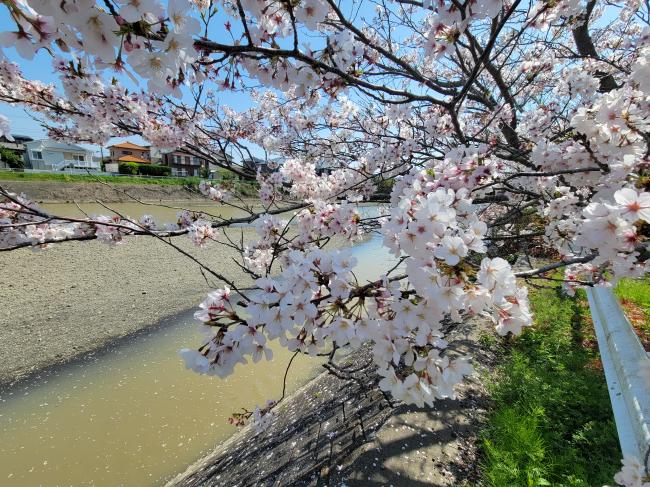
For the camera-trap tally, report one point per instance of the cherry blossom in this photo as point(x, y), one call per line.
point(632, 474)
point(635, 206)
point(489, 131)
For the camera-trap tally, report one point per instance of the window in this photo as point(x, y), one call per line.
point(177, 159)
point(127, 152)
point(187, 159)
point(37, 154)
point(78, 157)
point(196, 161)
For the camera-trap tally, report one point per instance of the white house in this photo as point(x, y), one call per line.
point(55, 156)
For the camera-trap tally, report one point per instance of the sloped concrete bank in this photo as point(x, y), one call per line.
point(62, 192)
point(337, 432)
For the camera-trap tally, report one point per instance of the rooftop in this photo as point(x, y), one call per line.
point(52, 144)
point(129, 145)
point(133, 158)
point(19, 139)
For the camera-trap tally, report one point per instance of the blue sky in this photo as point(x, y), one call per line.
point(40, 68)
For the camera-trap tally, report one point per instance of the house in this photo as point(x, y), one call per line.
point(17, 146)
point(129, 152)
point(265, 166)
point(215, 171)
point(324, 168)
point(50, 155)
point(183, 163)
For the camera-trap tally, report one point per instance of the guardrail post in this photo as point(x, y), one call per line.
point(622, 356)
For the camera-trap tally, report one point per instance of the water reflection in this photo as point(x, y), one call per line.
point(131, 416)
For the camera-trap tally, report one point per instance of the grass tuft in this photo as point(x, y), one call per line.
point(634, 295)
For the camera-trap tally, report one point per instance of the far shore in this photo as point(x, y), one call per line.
point(88, 192)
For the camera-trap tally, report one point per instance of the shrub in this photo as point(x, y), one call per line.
point(154, 170)
point(385, 186)
point(11, 158)
point(144, 169)
point(127, 168)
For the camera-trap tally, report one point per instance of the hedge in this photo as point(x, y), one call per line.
point(144, 169)
point(154, 170)
point(127, 168)
point(11, 158)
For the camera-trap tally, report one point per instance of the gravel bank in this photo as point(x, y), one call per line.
point(60, 192)
point(76, 297)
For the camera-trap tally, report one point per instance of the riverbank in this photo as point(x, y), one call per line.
point(77, 297)
point(343, 432)
point(65, 177)
point(88, 192)
point(122, 189)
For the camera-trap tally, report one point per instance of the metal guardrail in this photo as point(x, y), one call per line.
point(623, 357)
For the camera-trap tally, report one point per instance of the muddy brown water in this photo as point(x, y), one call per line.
point(133, 415)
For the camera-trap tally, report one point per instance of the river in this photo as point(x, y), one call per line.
point(132, 414)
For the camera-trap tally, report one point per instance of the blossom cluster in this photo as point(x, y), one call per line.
point(481, 123)
point(315, 302)
point(309, 226)
point(23, 223)
point(214, 191)
point(109, 38)
point(632, 474)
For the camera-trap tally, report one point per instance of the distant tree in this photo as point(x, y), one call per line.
point(12, 158)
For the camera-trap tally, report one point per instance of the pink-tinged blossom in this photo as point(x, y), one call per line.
point(5, 128)
point(635, 206)
point(632, 474)
point(262, 418)
point(202, 233)
point(179, 12)
point(134, 10)
point(451, 250)
point(110, 230)
point(311, 12)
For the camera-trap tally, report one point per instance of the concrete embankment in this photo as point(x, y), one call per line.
point(68, 192)
point(335, 432)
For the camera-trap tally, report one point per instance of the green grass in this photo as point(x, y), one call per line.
point(551, 422)
point(242, 188)
point(637, 291)
point(84, 178)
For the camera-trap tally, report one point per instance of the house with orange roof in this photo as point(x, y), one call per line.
point(129, 152)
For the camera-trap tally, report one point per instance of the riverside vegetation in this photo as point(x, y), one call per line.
point(552, 422)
